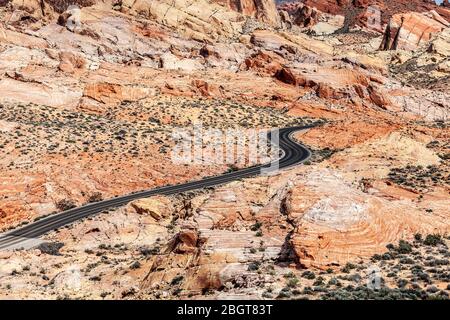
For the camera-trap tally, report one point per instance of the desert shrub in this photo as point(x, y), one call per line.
point(253, 266)
point(65, 204)
point(391, 274)
point(95, 197)
point(406, 261)
point(296, 292)
point(354, 277)
point(256, 226)
point(177, 292)
point(51, 248)
point(433, 240)
point(333, 281)
point(307, 290)
point(288, 275)
point(292, 283)
point(284, 293)
point(319, 281)
point(423, 276)
point(103, 246)
point(14, 272)
point(432, 289)
point(232, 168)
point(349, 266)
point(376, 257)
point(176, 280)
point(308, 275)
point(401, 283)
point(386, 256)
point(404, 247)
point(320, 289)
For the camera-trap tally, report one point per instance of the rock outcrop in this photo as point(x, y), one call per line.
point(158, 207)
point(263, 10)
point(368, 13)
point(305, 16)
point(387, 8)
point(200, 20)
point(410, 30)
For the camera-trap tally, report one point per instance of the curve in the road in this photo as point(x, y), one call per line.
point(293, 153)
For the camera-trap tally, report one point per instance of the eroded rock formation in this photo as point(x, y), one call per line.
point(408, 31)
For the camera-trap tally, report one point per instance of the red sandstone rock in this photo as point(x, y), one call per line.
point(186, 241)
point(263, 62)
point(378, 98)
point(305, 16)
point(286, 76)
point(410, 30)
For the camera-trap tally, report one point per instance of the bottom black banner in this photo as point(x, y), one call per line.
point(201, 309)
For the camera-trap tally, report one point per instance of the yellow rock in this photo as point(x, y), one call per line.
point(158, 207)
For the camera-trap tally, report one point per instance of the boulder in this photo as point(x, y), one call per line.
point(71, 19)
point(325, 91)
point(71, 62)
point(285, 75)
point(206, 89)
point(263, 62)
point(186, 241)
point(158, 207)
point(378, 98)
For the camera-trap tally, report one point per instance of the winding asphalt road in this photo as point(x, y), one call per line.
point(293, 153)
